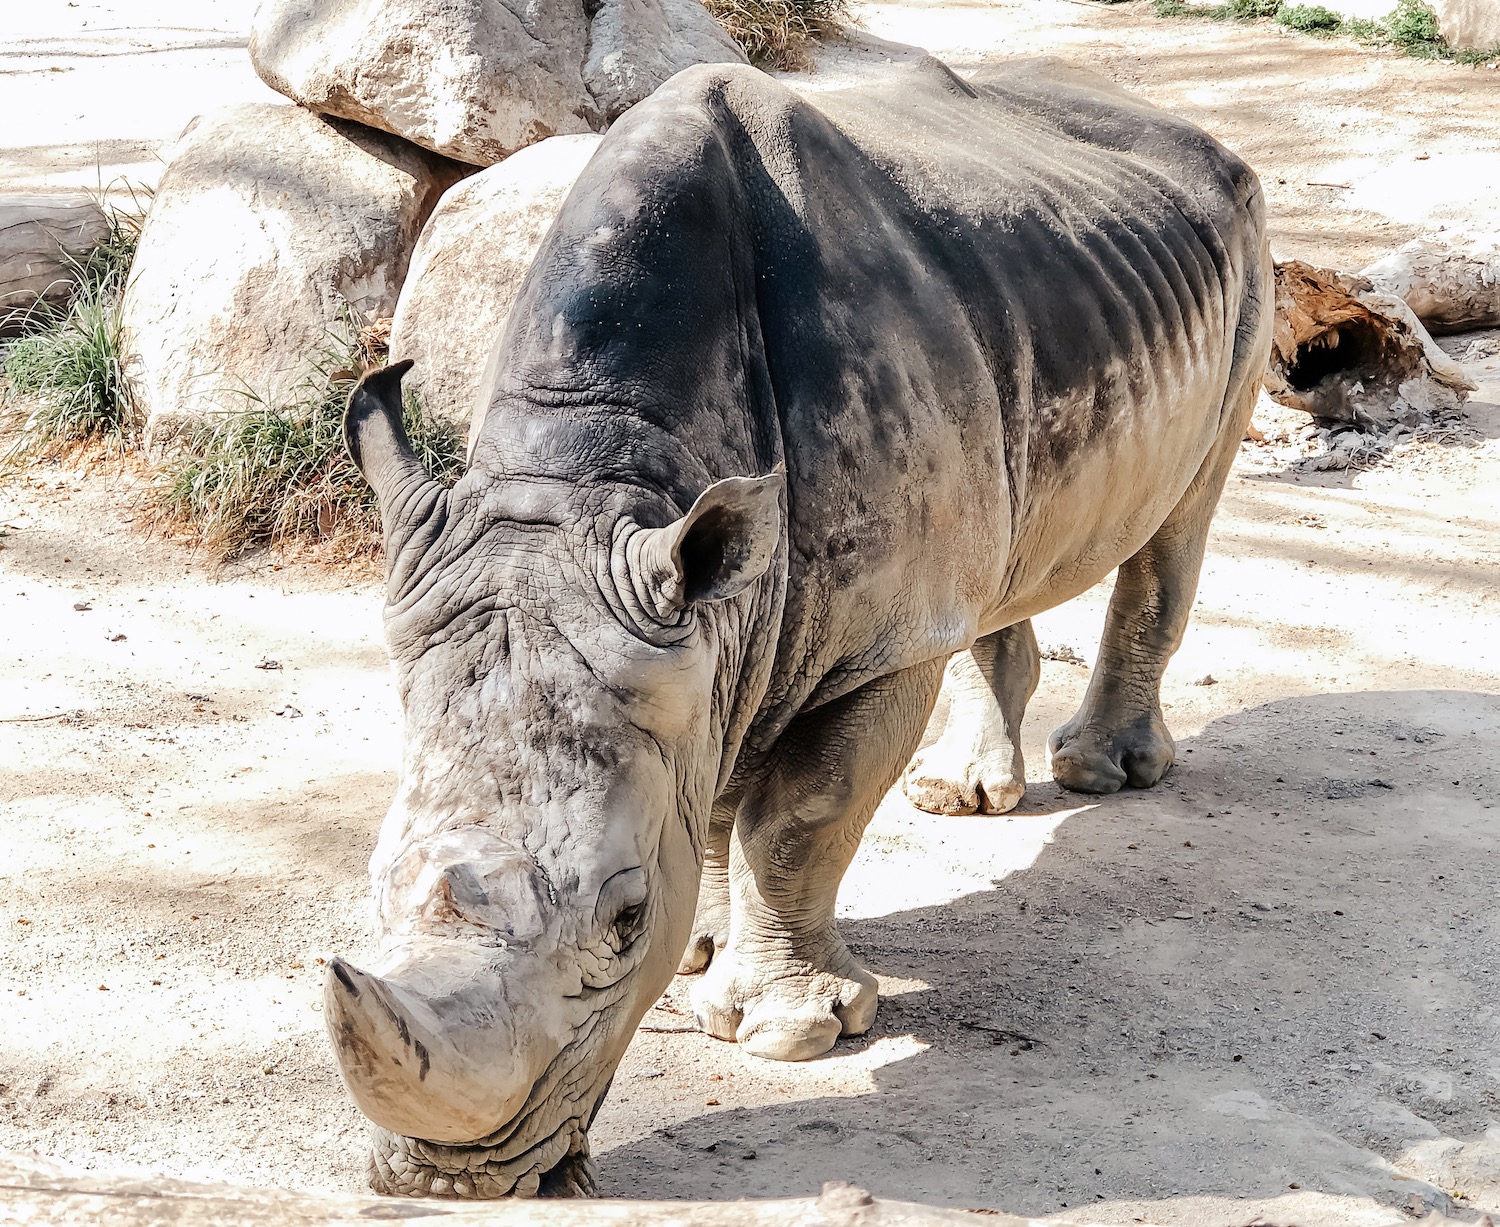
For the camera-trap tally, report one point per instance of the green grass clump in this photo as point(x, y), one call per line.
point(1309, 18)
point(64, 383)
point(1411, 26)
point(278, 474)
point(776, 33)
point(1252, 10)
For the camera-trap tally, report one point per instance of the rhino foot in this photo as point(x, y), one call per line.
point(1086, 757)
point(952, 777)
point(976, 765)
point(784, 1014)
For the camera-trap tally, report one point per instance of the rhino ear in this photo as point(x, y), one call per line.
point(721, 547)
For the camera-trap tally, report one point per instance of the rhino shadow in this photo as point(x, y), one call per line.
point(1276, 969)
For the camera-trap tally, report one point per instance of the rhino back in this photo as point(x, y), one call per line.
point(987, 327)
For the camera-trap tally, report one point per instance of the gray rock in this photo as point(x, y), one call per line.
point(1471, 25)
point(636, 45)
point(270, 225)
point(477, 80)
point(475, 249)
point(38, 236)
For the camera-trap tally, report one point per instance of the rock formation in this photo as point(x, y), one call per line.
point(269, 224)
point(476, 80)
point(475, 250)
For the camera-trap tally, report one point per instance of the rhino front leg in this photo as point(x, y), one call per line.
point(786, 986)
point(1119, 736)
point(976, 765)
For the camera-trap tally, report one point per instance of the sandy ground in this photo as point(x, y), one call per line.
point(1267, 987)
point(94, 92)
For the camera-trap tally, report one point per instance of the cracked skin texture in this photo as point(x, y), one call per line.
point(987, 341)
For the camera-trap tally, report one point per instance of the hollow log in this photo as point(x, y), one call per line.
point(1451, 282)
point(1344, 352)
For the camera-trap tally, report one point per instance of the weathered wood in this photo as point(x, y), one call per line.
point(38, 236)
point(1344, 352)
point(35, 1191)
point(1452, 282)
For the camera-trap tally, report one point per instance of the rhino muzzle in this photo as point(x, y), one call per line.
point(460, 1089)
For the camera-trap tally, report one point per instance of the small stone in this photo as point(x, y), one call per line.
point(269, 664)
point(82, 606)
point(1182, 915)
point(1208, 679)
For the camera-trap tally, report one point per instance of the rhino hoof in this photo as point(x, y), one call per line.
point(775, 1024)
point(791, 1039)
point(698, 955)
point(941, 782)
point(1089, 761)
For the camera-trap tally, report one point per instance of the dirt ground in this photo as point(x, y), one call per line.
point(1267, 987)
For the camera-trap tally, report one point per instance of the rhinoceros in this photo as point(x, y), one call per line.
point(799, 400)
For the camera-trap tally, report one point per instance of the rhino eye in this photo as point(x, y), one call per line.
point(621, 910)
point(629, 922)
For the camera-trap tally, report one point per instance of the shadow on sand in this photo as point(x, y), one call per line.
point(1278, 969)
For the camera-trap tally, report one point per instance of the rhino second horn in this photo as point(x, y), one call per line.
point(402, 1071)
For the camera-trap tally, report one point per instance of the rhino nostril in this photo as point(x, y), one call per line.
point(341, 974)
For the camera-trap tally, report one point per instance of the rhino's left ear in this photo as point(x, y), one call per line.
point(721, 547)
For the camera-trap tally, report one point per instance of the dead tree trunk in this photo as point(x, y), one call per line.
point(1343, 352)
point(1452, 283)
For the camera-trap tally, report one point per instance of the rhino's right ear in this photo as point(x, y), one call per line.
point(722, 546)
point(378, 444)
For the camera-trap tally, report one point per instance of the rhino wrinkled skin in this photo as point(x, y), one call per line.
point(796, 403)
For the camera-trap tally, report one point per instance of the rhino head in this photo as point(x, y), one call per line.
point(568, 656)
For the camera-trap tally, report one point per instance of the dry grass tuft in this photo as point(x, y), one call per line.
point(64, 382)
point(279, 476)
point(776, 33)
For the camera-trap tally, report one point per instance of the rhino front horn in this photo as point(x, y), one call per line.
point(402, 1066)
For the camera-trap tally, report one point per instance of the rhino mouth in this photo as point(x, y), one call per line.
point(557, 1166)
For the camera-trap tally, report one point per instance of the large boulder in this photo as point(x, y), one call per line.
point(477, 80)
point(41, 239)
point(1471, 25)
point(468, 266)
point(271, 228)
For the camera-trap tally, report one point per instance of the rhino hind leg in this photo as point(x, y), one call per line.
point(976, 765)
point(711, 922)
point(1118, 736)
point(786, 985)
